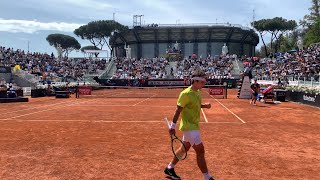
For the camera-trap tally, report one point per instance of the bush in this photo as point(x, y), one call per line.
point(310, 90)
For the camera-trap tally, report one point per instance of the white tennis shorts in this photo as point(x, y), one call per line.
point(193, 137)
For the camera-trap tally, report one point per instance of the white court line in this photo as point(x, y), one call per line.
point(102, 121)
point(115, 95)
point(44, 110)
point(144, 100)
point(228, 110)
point(117, 105)
point(204, 115)
point(35, 107)
point(105, 95)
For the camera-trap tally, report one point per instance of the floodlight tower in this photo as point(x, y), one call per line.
point(137, 20)
point(253, 18)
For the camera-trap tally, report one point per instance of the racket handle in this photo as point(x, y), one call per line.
point(166, 120)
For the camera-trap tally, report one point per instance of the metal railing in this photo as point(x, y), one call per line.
point(107, 69)
point(197, 24)
point(308, 81)
point(25, 75)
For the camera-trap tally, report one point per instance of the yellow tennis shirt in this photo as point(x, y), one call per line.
point(190, 116)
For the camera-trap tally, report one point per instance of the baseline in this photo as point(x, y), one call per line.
point(103, 121)
point(44, 110)
point(36, 107)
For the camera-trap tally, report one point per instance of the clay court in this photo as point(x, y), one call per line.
point(127, 138)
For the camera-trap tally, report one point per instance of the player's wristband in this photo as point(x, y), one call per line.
point(173, 125)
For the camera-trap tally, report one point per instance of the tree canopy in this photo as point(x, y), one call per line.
point(63, 43)
point(276, 27)
point(311, 24)
point(310, 19)
point(90, 48)
point(98, 32)
point(313, 34)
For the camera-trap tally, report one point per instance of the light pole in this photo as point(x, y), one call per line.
point(28, 45)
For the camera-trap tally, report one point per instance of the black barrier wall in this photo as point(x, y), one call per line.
point(5, 72)
point(305, 98)
point(231, 83)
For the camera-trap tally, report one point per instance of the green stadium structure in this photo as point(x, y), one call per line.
point(200, 39)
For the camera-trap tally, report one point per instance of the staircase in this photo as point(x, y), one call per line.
point(110, 70)
point(237, 67)
point(24, 79)
point(239, 86)
point(172, 65)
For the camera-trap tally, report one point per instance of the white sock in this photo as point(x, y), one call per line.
point(170, 166)
point(206, 175)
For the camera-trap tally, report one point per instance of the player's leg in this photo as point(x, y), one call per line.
point(252, 98)
point(182, 150)
point(200, 152)
point(176, 160)
point(200, 157)
point(169, 170)
point(255, 98)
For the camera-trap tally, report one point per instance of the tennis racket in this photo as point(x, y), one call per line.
point(178, 148)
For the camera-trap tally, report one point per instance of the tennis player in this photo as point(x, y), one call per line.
point(255, 88)
point(189, 105)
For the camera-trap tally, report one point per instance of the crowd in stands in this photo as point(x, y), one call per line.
point(48, 67)
point(296, 64)
point(303, 63)
point(157, 68)
point(214, 67)
point(8, 88)
point(131, 68)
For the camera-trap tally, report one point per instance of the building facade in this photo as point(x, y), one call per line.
point(200, 39)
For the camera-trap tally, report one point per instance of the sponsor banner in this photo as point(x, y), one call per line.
point(85, 90)
point(216, 90)
point(165, 83)
point(305, 98)
point(231, 83)
point(311, 99)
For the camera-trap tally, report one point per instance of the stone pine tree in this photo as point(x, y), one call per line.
point(90, 48)
point(98, 32)
point(276, 27)
point(64, 44)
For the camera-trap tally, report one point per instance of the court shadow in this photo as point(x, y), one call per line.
point(262, 106)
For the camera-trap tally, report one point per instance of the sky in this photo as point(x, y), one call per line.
point(25, 24)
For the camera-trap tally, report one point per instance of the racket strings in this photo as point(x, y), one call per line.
point(179, 149)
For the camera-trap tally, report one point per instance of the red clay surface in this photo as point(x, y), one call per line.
point(119, 138)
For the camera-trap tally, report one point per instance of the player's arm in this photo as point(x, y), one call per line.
point(252, 90)
point(177, 114)
point(174, 120)
point(183, 100)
